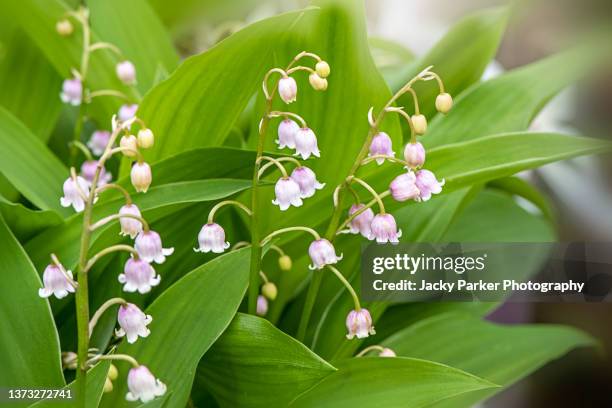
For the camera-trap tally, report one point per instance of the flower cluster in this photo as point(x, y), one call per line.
point(81, 191)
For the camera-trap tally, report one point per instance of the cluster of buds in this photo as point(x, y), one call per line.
point(81, 191)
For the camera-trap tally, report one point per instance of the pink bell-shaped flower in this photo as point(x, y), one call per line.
point(381, 145)
point(361, 224)
point(138, 275)
point(132, 322)
point(72, 196)
point(72, 91)
point(212, 239)
point(404, 188)
point(141, 176)
point(98, 141)
point(55, 282)
point(414, 154)
point(262, 305)
point(286, 134)
point(359, 324)
point(306, 143)
point(149, 247)
point(88, 171)
point(384, 229)
point(126, 72)
point(287, 89)
point(287, 194)
point(427, 184)
point(127, 112)
point(322, 253)
point(143, 386)
point(130, 226)
point(307, 180)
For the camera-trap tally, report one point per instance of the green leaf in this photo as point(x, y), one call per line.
point(389, 382)
point(29, 165)
point(24, 222)
point(492, 157)
point(391, 58)
point(187, 319)
point(508, 103)
point(254, 364)
point(460, 57)
point(179, 13)
point(501, 354)
point(138, 33)
point(521, 188)
point(96, 376)
point(198, 105)
point(31, 356)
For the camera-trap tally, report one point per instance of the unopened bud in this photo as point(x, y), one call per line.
point(130, 143)
point(322, 69)
point(444, 103)
point(69, 360)
point(269, 290)
point(285, 263)
point(64, 28)
point(317, 83)
point(145, 138)
point(112, 372)
point(420, 124)
point(108, 385)
point(387, 352)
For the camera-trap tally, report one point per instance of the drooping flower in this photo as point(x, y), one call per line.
point(72, 91)
point(132, 322)
point(143, 385)
point(317, 83)
point(387, 352)
point(126, 72)
point(55, 282)
point(287, 89)
point(404, 188)
point(306, 143)
point(359, 323)
point(427, 184)
point(269, 290)
point(444, 103)
point(98, 141)
point(130, 145)
point(286, 133)
point(287, 194)
point(262, 305)
point(146, 138)
point(419, 122)
point(141, 176)
point(88, 171)
point(384, 229)
point(127, 112)
point(149, 247)
point(381, 145)
point(212, 239)
point(72, 195)
point(361, 224)
point(414, 154)
point(130, 226)
point(138, 275)
point(322, 253)
point(307, 180)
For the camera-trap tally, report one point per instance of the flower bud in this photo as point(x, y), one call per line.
point(99, 140)
point(285, 263)
point(108, 386)
point(130, 143)
point(387, 352)
point(306, 143)
point(262, 305)
point(322, 69)
point(64, 28)
point(403, 187)
point(143, 386)
point(359, 323)
point(444, 103)
point(419, 122)
point(149, 247)
point(88, 171)
point(72, 196)
point(286, 134)
point(287, 89)
point(322, 253)
point(130, 226)
point(317, 83)
point(287, 194)
point(381, 145)
point(145, 138)
point(55, 282)
point(384, 229)
point(307, 180)
point(126, 72)
point(414, 154)
point(361, 224)
point(269, 290)
point(72, 91)
point(212, 239)
point(138, 275)
point(113, 373)
point(132, 322)
point(127, 112)
point(141, 177)
point(69, 360)
point(427, 184)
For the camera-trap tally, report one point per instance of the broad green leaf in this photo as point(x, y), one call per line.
point(510, 102)
point(187, 319)
point(253, 364)
point(24, 222)
point(95, 384)
point(31, 351)
point(30, 86)
point(460, 57)
point(138, 33)
point(497, 156)
point(181, 12)
point(199, 103)
point(29, 165)
point(501, 354)
point(522, 188)
point(389, 382)
point(391, 58)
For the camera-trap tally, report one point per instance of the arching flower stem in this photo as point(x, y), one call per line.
point(347, 285)
point(211, 214)
point(110, 250)
point(103, 308)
